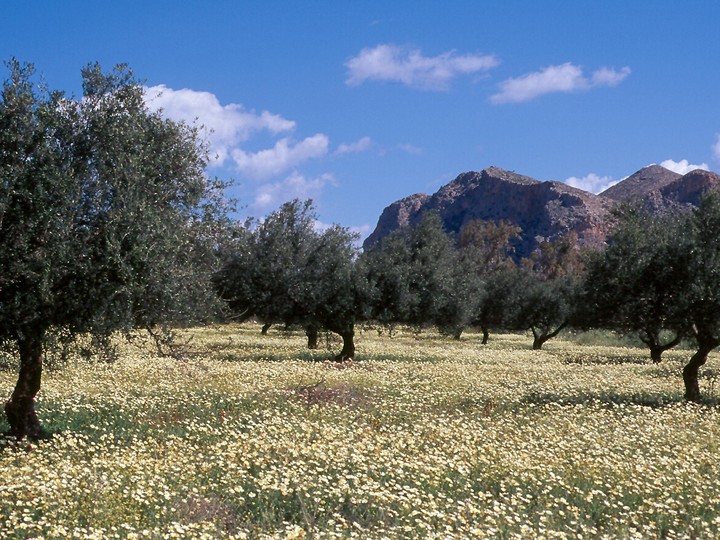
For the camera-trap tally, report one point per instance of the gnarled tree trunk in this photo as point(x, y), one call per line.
point(20, 408)
point(348, 350)
point(652, 340)
point(690, 371)
point(541, 336)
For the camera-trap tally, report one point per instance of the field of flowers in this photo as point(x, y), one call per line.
point(255, 437)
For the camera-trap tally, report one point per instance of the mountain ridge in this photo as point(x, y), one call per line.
point(544, 210)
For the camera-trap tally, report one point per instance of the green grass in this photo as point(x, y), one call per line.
point(256, 437)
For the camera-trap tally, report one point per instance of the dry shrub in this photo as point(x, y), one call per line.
point(319, 393)
point(348, 363)
point(208, 510)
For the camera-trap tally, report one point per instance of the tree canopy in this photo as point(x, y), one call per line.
point(412, 275)
point(283, 270)
point(636, 284)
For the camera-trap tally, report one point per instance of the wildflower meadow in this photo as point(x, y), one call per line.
point(422, 436)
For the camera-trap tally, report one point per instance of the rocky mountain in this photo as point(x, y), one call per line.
point(644, 183)
point(399, 214)
point(688, 189)
point(659, 189)
point(544, 210)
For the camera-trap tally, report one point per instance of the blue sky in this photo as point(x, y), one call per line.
point(357, 104)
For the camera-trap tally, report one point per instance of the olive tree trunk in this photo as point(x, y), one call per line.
point(652, 340)
point(485, 335)
point(20, 408)
point(690, 371)
point(541, 336)
point(311, 331)
point(348, 350)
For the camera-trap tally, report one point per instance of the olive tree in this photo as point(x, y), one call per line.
point(663, 272)
point(699, 252)
point(548, 284)
point(500, 300)
point(411, 274)
point(283, 270)
point(545, 305)
point(265, 270)
point(337, 294)
point(486, 251)
point(106, 219)
point(637, 283)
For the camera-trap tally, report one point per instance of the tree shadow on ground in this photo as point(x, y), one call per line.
point(8, 441)
point(603, 359)
point(611, 399)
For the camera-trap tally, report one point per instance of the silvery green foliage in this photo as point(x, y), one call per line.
point(284, 270)
point(107, 219)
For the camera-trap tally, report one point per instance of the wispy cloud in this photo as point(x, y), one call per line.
point(410, 149)
point(281, 157)
point(226, 126)
point(410, 67)
point(360, 145)
point(591, 182)
point(553, 79)
point(231, 129)
point(716, 148)
point(270, 195)
point(683, 166)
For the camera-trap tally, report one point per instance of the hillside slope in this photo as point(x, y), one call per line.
point(544, 210)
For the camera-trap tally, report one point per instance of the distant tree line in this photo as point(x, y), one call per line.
point(658, 278)
point(108, 222)
point(282, 270)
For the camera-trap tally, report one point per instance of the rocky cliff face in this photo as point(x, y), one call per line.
point(659, 189)
point(644, 183)
point(544, 210)
point(399, 214)
point(688, 189)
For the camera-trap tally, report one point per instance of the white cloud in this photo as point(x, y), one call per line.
point(608, 77)
point(360, 145)
point(281, 157)
point(682, 166)
point(231, 128)
point(411, 149)
point(408, 66)
point(226, 126)
point(591, 182)
point(270, 195)
point(363, 230)
point(563, 78)
point(716, 147)
point(320, 226)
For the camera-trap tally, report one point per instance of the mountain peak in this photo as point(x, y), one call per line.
point(689, 188)
point(508, 176)
point(543, 210)
point(641, 183)
point(659, 189)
